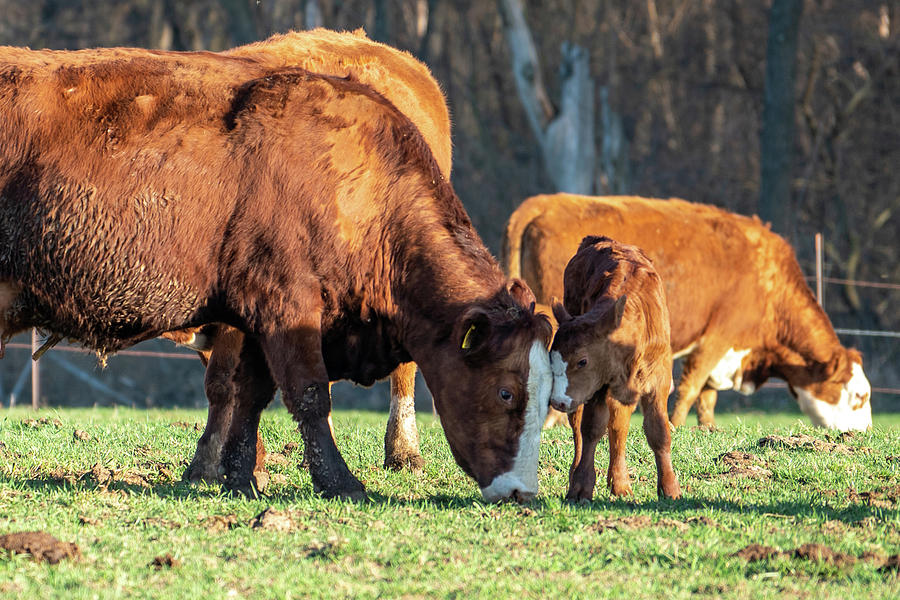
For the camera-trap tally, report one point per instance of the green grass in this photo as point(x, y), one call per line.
point(429, 535)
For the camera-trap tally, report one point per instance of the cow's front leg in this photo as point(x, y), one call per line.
point(617, 478)
point(401, 438)
point(706, 407)
point(656, 429)
point(253, 389)
point(295, 359)
point(697, 367)
point(588, 423)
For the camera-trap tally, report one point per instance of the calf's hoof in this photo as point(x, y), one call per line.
point(669, 491)
point(247, 489)
point(411, 461)
point(620, 488)
point(580, 491)
point(201, 473)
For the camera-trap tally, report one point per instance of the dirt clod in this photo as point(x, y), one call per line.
point(807, 442)
point(755, 552)
point(187, 425)
point(822, 553)
point(218, 523)
point(883, 498)
point(892, 564)
point(634, 522)
point(276, 459)
point(289, 448)
point(79, 435)
point(166, 560)
point(40, 545)
point(274, 520)
point(744, 464)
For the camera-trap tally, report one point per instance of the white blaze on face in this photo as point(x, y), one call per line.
point(523, 476)
point(852, 412)
point(559, 398)
point(728, 374)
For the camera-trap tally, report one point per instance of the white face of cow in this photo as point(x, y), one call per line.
point(560, 400)
point(523, 479)
point(852, 412)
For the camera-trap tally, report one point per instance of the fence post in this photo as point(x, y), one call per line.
point(35, 372)
point(819, 260)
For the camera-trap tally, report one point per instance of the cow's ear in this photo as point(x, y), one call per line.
point(559, 311)
point(520, 292)
point(473, 331)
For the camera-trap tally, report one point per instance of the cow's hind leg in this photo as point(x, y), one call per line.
point(401, 438)
point(588, 427)
point(296, 363)
point(706, 407)
point(656, 429)
point(617, 478)
point(253, 389)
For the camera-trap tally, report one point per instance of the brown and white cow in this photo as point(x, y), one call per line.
point(610, 352)
point(741, 310)
point(409, 86)
point(143, 192)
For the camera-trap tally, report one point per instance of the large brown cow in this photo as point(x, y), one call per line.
point(143, 192)
point(740, 308)
point(612, 351)
point(409, 86)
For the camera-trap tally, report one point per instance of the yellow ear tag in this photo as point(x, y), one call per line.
point(467, 342)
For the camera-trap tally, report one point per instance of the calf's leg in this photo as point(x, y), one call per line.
point(588, 424)
point(401, 438)
point(619, 420)
point(656, 429)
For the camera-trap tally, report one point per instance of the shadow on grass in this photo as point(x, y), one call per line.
point(184, 490)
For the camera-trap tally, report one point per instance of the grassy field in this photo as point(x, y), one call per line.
point(114, 490)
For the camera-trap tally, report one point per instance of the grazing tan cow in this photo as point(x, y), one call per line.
point(143, 192)
point(408, 84)
point(741, 310)
point(610, 352)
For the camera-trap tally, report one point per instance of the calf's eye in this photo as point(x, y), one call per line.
point(582, 363)
point(506, 395)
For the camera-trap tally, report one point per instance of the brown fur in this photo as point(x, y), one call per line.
point(613, 337)
point(730, 283)
point(144, 192)
point(409, 86)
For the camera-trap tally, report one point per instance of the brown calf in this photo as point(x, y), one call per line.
point(610, 352)
point(143, 192)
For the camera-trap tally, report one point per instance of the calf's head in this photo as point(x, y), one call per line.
point(583, 357)
point(491, 387)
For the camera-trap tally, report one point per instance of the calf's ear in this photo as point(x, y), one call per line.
point(559, 311)
point(521, 293)
point(608, 315)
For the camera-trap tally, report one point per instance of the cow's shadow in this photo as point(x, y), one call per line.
point(687, 507)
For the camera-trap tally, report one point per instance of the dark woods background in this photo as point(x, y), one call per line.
point(650, 97)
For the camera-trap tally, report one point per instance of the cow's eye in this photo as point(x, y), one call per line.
point(582, 363)
point(506, 395)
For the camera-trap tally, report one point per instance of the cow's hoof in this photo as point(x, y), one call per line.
point(200, 473)
point(353, 495)
point(405, 461)
point(620, 489)
point(669, 491)
point(247, 489)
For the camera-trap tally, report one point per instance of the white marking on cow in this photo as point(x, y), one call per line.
point(403, 412)
point(852, 412)
point(523, 477)
point(728, 374)
point(560, 400)
point(747, 388)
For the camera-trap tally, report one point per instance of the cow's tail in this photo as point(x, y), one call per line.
point(511, 248)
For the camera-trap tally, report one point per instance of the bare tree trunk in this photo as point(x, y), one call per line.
point(777, 139)
point(566, 136)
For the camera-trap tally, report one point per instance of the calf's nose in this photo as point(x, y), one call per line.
point(521, 497)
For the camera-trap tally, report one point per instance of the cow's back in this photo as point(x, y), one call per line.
point(691, 246)
point(395, 74)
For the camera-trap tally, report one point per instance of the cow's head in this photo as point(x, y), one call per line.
point(491, 387)
point(833, 393)
point(582, 352)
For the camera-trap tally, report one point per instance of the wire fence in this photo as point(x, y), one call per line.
point(32, 368)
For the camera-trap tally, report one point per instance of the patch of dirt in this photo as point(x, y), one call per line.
point(276, 479)
point(807, 442)
point(290, 448)
point(744, 464)
point(276, 459)
point(701, 520)
point(40, 545)
point(326, 549)
point(884, 498)
point(80, 436)
point(273, 520)
point(166, 560)
point(42, 422)
point(219, 523)
point(187, 425)
point(755, 552)
point(824, 554)
point(160, 522)
point(634, 522)
point(891, 565)
point(85, 520)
